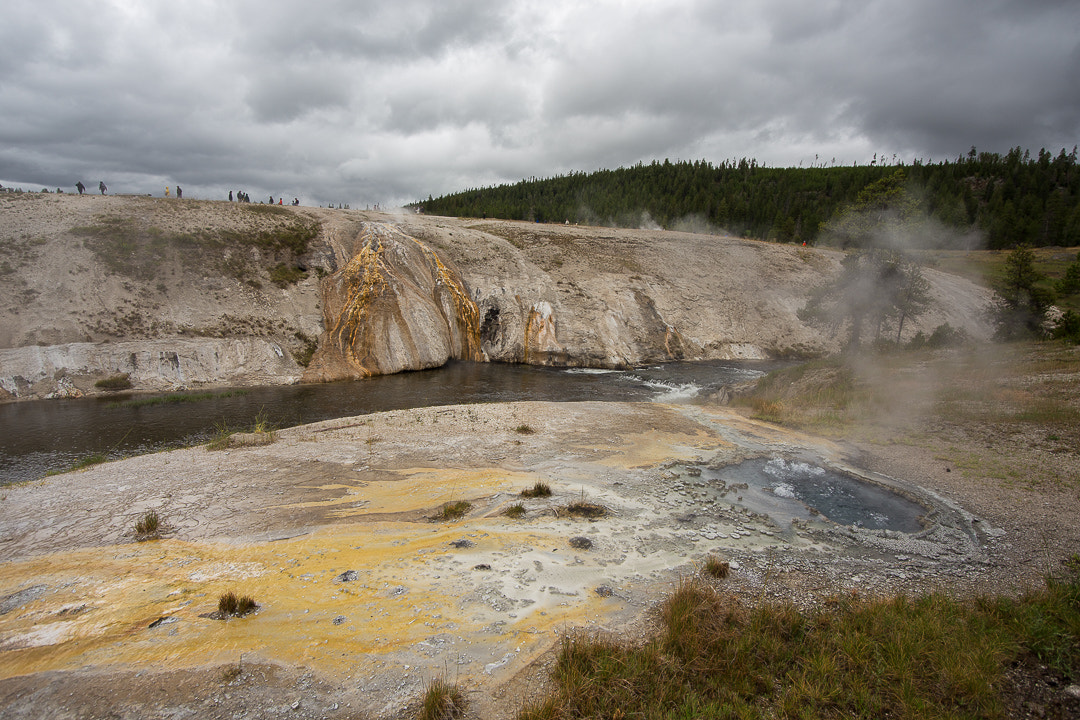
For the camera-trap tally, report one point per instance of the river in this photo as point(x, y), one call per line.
point(51, 435)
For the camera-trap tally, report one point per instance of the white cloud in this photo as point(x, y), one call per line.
point(345, 101)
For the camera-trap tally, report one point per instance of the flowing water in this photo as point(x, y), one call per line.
point(52, 435)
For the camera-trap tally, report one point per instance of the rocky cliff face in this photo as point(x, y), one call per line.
point(160, 290)
point(394, 306)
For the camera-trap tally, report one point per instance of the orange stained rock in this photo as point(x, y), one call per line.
point(100, 603)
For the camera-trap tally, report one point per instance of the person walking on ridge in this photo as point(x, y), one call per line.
point(80, 187)
point(179, 193)
point(101, 187)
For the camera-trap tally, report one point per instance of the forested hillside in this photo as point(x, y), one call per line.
point(1012, 199)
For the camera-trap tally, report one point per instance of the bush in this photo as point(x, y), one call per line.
point(284, 275)
point(516, 511)
point(1068, 327)
point(114, 383)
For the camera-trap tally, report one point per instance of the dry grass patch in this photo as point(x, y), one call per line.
point(148, 526)
point(585, 509)
point(538, 490)
point(232, 605)
point(442, 701)
point(908, 657)
point(453, 510)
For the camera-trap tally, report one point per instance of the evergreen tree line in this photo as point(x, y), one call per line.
point(1012, 199)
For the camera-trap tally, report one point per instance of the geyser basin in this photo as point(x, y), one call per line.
point(787, 489)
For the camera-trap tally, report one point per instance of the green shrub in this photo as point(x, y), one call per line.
point(114, 383)
point(284, 275)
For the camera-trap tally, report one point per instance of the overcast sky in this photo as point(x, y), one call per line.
point(386, 102)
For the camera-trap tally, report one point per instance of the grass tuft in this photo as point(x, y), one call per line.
point(539, 489)
point(442, 701)
point(148, 525)
point(516, 511)
point(581, 508)
point(716, 567)
point(524, 429)
point(232, 605)
point(454, 510)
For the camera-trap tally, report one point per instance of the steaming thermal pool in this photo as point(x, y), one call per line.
point(794, 489)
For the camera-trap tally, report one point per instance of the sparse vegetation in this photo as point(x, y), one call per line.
point(454, 510)
point(923, 657)
point(148, 525)
point(442, 701)
point(307, 351)
point(232, 605)
point(262, 433)
point(82, 463)
point(222, 435)
point(582, 508)
point(114, 383)
point(538, 490)
point(716, 567)
point(134, 248)
point(516, 511)
point(284, 275)
point(524, 429)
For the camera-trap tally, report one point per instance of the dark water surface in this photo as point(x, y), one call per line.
point(787, 489)
point(39, 436)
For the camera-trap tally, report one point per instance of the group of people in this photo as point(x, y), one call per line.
point(80, 187)
point(242, 196)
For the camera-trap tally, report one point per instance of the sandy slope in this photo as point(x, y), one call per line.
point(173, 313)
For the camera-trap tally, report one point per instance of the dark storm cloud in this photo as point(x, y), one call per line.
point(368, 101)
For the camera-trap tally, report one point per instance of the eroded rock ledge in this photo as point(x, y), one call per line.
point(380, 293)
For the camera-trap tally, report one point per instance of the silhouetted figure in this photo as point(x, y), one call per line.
point(271, 199)
point(101, 187)
point(296, 201)
point(80, 187)
point(179, 192)
point(230, 196)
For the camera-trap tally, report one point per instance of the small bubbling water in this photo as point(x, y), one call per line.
point(786, 490)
